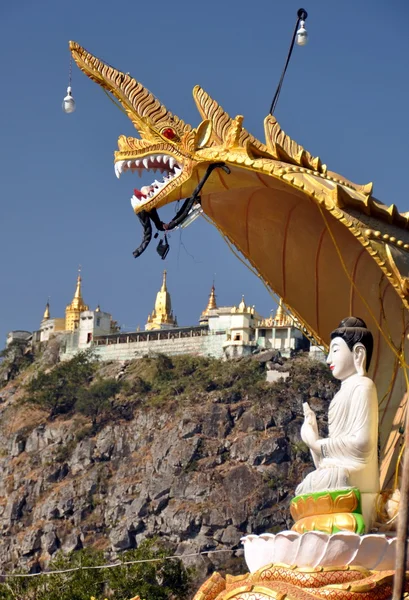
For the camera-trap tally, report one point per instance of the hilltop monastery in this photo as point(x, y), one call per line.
point(222, 331)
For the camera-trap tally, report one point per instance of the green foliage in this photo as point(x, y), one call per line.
point(59, 389)
point(186, 377)
point(161, 580)
point(94, 401)
point(308, 379)
point(152, 381)
point(152, 580)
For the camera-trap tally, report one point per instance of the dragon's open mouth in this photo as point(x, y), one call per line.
point(167, 165)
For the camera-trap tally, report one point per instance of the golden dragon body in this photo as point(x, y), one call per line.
point(323, 244)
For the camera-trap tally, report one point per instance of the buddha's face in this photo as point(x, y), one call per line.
point(341, 359)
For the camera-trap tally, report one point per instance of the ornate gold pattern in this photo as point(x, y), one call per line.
point(284, 148)
point(221, 122)
point(141, 106)
point(283, 582)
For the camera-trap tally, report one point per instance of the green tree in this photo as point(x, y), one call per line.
point(58, 390)
point(159, 580)
point(95, 402)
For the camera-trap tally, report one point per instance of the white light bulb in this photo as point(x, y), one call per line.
point(302, 35)
point(68, 104)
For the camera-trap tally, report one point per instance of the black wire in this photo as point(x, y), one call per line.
point(146, 217)
point(301, 16)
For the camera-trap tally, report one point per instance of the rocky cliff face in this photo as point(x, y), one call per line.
point(200, 471)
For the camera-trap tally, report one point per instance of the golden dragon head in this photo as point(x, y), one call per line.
point(182, 153)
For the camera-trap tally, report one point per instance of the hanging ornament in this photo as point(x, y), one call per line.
point(68, 104)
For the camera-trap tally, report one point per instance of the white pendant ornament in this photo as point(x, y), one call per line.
point(302, 35)
point(68, 104)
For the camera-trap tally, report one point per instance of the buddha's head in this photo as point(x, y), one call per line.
point(351, 348)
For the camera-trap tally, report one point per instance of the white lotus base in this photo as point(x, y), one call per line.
point(316, 549)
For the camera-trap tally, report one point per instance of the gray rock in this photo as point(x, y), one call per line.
point(120, 538)
point(72, 542)
point(217, 422)
point(31, 542)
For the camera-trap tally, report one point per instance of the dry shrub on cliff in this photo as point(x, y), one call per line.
point(186, 378)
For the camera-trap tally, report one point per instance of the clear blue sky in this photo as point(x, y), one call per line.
point(345, 98)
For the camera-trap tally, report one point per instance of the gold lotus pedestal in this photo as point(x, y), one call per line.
point(330, 512)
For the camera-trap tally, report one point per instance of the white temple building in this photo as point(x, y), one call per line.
point(223, 331)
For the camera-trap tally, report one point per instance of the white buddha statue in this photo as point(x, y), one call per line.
point(348, 457)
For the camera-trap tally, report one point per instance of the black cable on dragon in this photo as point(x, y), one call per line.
point(146, 217)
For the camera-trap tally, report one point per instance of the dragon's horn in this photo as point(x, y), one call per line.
point(140, 105)
point(221, 121)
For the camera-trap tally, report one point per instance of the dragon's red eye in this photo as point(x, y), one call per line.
point(169, 133)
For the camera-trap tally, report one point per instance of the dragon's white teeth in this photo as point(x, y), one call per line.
point(129, 163)
point(172, 162)
point(165, 158)
point(146, 189)
point(145, 163)
point(118, 166)
point(159, 158)
point(135, 202)
point(137, 163)
point(157, 183)
point(177, 170)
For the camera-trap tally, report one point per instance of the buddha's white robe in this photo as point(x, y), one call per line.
point(349, 456)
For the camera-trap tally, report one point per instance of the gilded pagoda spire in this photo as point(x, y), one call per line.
point(46, 311)
point(76, 307)
point(211, 305)
point(281, 317)
point(162, 315)
point(164, 288)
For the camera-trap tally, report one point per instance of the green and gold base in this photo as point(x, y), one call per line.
point(330, 512)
